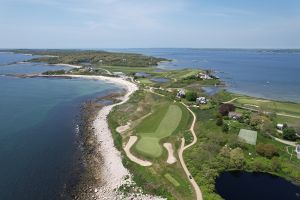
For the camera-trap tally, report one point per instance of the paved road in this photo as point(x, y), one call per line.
point(180, 155)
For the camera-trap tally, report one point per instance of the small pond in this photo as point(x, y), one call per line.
point(239, 185)
point(160, 80)
point(212, 90)
point(142, 74)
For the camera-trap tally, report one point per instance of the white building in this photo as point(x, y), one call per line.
point(279, 126)
point(181, 93)
point(298, 151)
point(201, 100)
point(204, 76)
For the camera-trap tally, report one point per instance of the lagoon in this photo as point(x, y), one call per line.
point(239, 185)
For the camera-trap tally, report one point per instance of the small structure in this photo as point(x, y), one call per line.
point(298, 151)
point(204, 76)
point(234, 115)
point(121, 74)
point(248, 136)
point(279, 126)
point(201, 100)
point(181, 94)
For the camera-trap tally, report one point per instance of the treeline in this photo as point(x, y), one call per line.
point(78, 57)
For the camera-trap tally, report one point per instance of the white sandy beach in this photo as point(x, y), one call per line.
point(113, 172)
point(67, 65)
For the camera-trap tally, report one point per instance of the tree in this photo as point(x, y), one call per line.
point(225, 152)
point(226, 108)
point(289, 134)
point(191, 96)
point(267, 150)
point(267, 126)
point(237, 157)
point(219, 121)
point(255, 120)
point(225, 128)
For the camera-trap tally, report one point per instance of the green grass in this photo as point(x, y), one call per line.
point(161, 124)
point(249, 136)
point(172, 180)
point(276, 106)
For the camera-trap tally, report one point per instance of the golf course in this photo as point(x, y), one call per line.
point(162, 123)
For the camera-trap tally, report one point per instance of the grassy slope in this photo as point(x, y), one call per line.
point(161, 124)
point(152, 179)
point(277, 106)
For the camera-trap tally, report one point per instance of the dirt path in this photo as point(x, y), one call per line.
point(171, 158)
point(180, 155)
point(133, 158)
point(286, 142)
point(230, 101)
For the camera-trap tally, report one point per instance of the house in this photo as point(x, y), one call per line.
point(279, 126)
point(234, 115)
point(201, 100)
point(181, 94)
point(121, 74)
point(204, 76)
point(298, 151)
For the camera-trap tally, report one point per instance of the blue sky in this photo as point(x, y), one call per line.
point(151, 23)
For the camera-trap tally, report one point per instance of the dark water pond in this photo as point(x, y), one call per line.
point(211, 90)
point(239, 185)
point(142, 74)
point(160, 80)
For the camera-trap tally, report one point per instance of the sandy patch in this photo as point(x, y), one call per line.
point(171, 158)
point(251, 105)
point(262, 100)
point(123, 129)
point(127, 147)
point(113, 172)
point(68, 65)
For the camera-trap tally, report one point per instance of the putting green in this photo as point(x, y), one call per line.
point(162, 123)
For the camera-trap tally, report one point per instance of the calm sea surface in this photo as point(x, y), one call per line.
point(268, 74)
point(38, 122)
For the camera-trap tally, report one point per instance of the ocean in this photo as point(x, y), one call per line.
point(271, 74)
point(39, 129)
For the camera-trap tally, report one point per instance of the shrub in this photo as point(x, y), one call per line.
point(219, 121)
point(237, 157)
point(226, 108)
point(267, 150)
point(191, 96)
point(225, 128)
point(289, 134)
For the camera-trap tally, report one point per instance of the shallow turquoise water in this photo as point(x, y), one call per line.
point(38, 121)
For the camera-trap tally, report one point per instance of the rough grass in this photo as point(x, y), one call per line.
point(172, 180)
point(162, 123)
point(281, 107)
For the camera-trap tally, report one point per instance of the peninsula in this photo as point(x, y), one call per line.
point(167, 138)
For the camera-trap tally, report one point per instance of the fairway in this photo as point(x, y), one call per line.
point(162, 123)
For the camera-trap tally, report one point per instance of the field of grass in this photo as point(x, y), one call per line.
point(172, 180)
point(288, 108)
point(152, 179)
point(161, 124)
